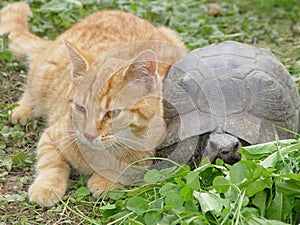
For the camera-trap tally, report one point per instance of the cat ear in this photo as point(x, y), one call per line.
point(79, 62)
point(144, 67)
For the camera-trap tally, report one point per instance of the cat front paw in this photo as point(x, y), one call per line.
point(47, 193)
point(21, 114)
point(98, 184)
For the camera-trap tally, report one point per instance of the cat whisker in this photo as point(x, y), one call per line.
point(65, 140)
point(133, 144)
point(65, 143)
point(124, 144)
point(122, 147)
point(118, 148)
point(67, 131)
point(115, 148)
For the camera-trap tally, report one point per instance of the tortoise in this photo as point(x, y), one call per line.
point(225, 96)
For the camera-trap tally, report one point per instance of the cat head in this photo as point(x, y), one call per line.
point(116, 106)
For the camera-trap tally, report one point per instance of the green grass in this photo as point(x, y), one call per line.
point(247, 193)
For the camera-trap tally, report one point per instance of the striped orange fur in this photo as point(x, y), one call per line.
point(99, 98)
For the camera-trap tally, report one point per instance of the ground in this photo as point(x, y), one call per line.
point(271, 24)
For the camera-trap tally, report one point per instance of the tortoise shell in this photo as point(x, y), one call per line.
point(224, 96)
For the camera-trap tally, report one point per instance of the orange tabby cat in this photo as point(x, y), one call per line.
point(102, 102)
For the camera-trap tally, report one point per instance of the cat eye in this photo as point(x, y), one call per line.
point(80, 108)
point(112, 114)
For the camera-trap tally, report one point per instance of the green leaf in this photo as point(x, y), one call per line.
point(175, 200)
point(23, 219)
point(15, 198)
point(249, 212)
point(192, 180)
point(82, 192)
point(295, 177)
point(168, 172)
point(181, 171)
point(219, 162)
point(209, 201)
point(187, 193)
point(169, 188)
point(273, 158)
point(255, 187)
point(261, 150)
point(6, 56)
point(152, 217)
point(7, 162)
point(280, 207)
point(289, 187)
point(109, 210)
point(221, 184)
point(2, 145)
point(19, 158)
point(134, 222)
point(191, 206)
point(137, 204)
point(237, 173)
point(257, 151)
point(263, 221)
point(115, 194)
point(179, 181)
point(157, 204)
point(153, 176)
point(259, 200)
point(107, 207)
point(2, 154)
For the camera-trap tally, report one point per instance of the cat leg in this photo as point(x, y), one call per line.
point(98, 184)
point(52, 172)
point(24, 111)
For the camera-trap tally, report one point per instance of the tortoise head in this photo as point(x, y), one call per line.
point(221, 145)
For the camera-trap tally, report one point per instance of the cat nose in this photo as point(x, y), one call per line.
point(90, 137)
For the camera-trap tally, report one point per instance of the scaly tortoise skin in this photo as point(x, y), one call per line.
point(225, 96)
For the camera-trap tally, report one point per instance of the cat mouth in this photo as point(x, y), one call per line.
point(99, 143)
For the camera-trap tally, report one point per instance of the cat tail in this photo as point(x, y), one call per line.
point(14, 20)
